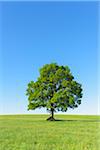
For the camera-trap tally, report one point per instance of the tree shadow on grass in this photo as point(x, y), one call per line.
point(77, 120)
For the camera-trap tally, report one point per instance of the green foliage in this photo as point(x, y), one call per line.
point(55, 89)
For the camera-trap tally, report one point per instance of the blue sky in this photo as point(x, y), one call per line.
point(36, 33)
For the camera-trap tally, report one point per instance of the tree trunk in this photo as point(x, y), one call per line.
point(52, 113)
point(51, 118)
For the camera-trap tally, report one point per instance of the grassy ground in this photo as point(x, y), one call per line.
point(33, 132)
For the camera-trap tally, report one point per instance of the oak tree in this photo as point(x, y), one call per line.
point(54, 89)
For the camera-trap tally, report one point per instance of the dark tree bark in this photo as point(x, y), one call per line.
point(51, 118)
point(52, 113)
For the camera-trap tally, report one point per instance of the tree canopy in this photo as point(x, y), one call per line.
point(54, 89)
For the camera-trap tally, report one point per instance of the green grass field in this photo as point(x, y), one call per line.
point(33, 132)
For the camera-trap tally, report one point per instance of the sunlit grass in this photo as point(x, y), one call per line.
point(33, 132)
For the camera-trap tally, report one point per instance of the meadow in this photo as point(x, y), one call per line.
point(33, 132)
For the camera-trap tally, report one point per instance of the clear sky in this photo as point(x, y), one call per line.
point(36, 33)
